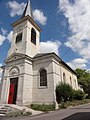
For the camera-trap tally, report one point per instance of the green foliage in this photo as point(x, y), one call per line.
point(78, 95)
point(81, 74)
point(43, 107)
point(62, 105)
point(84, 80)
point(63, 92)
point(27, 113)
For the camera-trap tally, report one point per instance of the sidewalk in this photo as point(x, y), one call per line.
point(21, 108)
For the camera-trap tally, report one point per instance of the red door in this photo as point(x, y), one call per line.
point(11, 94)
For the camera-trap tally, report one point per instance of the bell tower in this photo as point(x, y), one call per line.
point(26, 34)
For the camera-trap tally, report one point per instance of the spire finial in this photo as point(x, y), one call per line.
point(28, 10)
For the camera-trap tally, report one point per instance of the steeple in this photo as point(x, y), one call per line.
point(28, 10)
point(26, 34)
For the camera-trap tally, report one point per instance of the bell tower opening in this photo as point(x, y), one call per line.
point(33, 36)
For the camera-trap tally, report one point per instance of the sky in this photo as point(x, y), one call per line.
point(65, 28)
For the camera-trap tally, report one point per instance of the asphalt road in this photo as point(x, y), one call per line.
point(75, 113)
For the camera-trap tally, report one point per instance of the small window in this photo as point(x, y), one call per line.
point(43, 77)
point(75, 83)
point(19, 38)
point(64, 77)
point(33, 36)
point(70, 81)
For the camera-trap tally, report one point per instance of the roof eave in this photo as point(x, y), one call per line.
point(26, 18)
point(58, 59)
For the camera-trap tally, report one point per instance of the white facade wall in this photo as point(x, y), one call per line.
point(56, 75)
point(55, 72)
point(28, 83)
point(25, 79)
point(68, 74)
point(58, 70)
point(43, 94)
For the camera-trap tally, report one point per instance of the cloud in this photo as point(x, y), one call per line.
point(50, 46)
point(39, 16)
point(4, 32)
point(78, 15)
point(78, 63)
point(2, 39)
point(16, 8)
point(9, 36)
point(5, 36)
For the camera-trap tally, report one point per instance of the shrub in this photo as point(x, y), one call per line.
point(78, 95)
point(62, 105)
point(63, 92)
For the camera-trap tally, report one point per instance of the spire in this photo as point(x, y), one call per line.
point(28, 10)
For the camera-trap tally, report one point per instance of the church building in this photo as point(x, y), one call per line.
point(28, 75)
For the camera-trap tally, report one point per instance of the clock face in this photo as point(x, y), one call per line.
point(20, 28)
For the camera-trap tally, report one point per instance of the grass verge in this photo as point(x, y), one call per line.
point(18, 113)
point(73, 103)
point(44, 108)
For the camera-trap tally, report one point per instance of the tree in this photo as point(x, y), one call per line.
point(83, 77)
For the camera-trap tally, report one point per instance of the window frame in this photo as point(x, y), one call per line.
point(44, 82)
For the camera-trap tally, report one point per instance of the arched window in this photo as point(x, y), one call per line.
point(33, 36)
point(43, 77)
point(64, 77)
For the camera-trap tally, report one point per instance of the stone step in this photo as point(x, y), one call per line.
point(6, 106)
point(3, 112)
point(5, 109)
point(2, 115)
